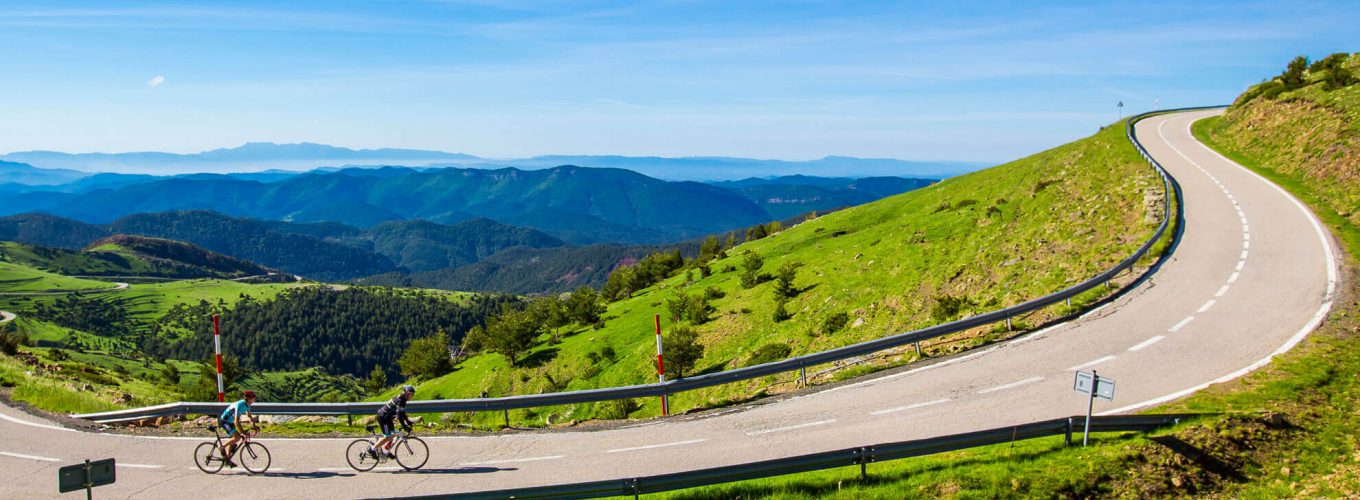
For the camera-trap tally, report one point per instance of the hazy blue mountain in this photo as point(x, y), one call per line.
point(25, 174)
point(253, 156)
point(791, 195)
point(580, 205)
point(425, 246)
point(717, 168)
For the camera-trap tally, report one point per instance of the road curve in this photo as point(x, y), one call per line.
point(6, 316)
point(1254, 273)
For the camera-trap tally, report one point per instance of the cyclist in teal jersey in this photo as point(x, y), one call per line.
point(231, 422)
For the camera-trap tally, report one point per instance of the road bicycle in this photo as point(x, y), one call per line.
point(411, 451)
point(251, 455)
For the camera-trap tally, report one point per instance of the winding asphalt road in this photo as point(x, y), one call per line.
point(1255, 272)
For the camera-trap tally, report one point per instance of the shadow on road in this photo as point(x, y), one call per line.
point(304, 475)
point(455, 470)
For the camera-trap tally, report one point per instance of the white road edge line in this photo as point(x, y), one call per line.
point(654, 446)
point(34, 424)
point(1147, 342)
point(29, 457)
point(908, 407)
point(513, 460)
point(1177, 327)
point(1011, 385)
point(1313, 323)
point(1091, 363)
point(791, 427)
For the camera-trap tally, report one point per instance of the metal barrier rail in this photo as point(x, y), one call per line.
point(1169, 187)
point(861, 456)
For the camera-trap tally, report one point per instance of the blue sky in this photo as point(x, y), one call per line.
point(988, 81)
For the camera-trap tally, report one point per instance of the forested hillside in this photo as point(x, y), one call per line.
point(131, 256)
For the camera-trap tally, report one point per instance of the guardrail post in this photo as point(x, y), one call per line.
point(632, 485)
point(918, 350)
point(1008, 324)
point(1067, 441)
point(1069, 302)
point(507, 418)
point(802, 375)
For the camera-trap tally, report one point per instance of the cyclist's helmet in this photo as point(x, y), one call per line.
point(248, 395)
point(409, 389)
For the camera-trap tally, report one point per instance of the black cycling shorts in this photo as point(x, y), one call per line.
point(386, 424)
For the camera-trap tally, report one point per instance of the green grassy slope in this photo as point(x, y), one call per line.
point(996, 237)
point(16, 278)
point(1294, 433)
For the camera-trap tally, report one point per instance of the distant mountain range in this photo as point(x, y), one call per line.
point(574, 204)
point(265, 156)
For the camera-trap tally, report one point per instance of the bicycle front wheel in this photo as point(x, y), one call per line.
point(254, 457)
point(358, 457)
point(412, 453)
point(207, 459)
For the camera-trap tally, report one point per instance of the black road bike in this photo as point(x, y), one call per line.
point(209, 457)
point(411, 451)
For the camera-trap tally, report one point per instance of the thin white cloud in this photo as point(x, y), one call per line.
point(155, 81)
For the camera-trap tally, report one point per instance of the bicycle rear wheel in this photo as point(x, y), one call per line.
point(357, 455)
point(254, 457)
point(207, 459)
point(412, 453)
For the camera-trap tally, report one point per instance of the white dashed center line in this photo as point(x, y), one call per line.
point(1180, 325)
point(145, 466)
point(29, 457)
point(1011, 385)
point(1222, 291)
point(1089, 364)
point(909, 407)
point(1147, 342)
point(1207, 305)
point(791, 427)
point(513, 460)
point(654, 446)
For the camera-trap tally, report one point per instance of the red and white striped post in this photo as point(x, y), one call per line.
point(217, 349)
point(661, 368)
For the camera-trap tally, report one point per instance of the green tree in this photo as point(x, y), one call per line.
point(170, 373)
point(781, 313)
point(1293, 73)
point(510, 334)
point(682, 350)
point(376, 381)
point(426, 357)
point(783, 285)
point(752, 264)
point(584, 306)
point(709, 249)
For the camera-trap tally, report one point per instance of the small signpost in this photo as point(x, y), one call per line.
point(1095, 386)
point(85, 476)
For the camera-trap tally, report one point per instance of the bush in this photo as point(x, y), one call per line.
point(426, 357)
point(1292, 78)
point(617, 409)
point(752, 264)
point(947, 307)
point(170, 374)
point(12, 338)
point(780, 312)
point(714, 292)
point(835, 322)
point(682, 351)
point(769, 353)
point(783, 285)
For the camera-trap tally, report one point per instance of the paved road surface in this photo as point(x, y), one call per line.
point(6, 316)
point(1254, 273)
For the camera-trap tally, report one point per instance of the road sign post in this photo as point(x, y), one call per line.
point(1094, 386)
point(85, 476)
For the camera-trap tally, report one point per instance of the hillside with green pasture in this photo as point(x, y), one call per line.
point(966, 245)
point(22, 279)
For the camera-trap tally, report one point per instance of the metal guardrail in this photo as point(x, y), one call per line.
point(861, 456)
point(1169, 187)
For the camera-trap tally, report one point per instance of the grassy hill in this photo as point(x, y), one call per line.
point(132, 256)
point(1290, 428)
point(966, 245)
point(17, 278)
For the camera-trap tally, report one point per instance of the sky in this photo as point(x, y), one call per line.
point(948, 81)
